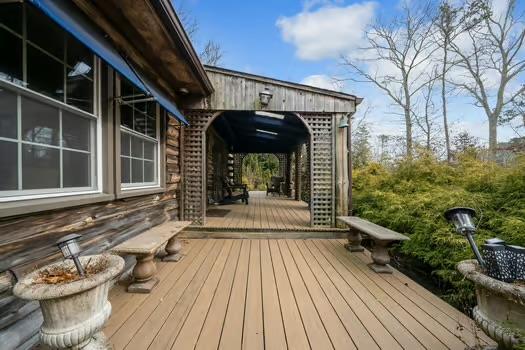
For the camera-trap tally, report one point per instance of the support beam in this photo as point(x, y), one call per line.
point(342, 159)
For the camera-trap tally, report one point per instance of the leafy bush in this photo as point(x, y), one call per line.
point(412, 196)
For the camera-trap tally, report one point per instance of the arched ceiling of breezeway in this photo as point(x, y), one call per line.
point(260, 131)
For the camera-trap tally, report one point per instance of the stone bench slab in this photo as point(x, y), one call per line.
point(381, 236)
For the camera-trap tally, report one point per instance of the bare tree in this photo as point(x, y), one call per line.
point(186, 18)
point(403, 44)
point(426, 114)
point(494, 51)
point(211, 54)
point(451, 22)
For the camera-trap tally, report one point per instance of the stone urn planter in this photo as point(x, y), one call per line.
point(500, 311)
point(74, 311)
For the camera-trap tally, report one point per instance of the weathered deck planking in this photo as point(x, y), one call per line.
point(284, 294)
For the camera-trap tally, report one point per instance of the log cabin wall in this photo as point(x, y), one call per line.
point(28, 241)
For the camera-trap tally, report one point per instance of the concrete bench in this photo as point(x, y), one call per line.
point(381, 236)
point(145, 246)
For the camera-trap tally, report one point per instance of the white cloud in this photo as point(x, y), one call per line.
point(327, 32)
point(322, 81)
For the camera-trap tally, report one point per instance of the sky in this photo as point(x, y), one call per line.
point(302, 41)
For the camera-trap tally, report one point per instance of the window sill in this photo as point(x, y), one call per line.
point(131, 192)
point(43, 204)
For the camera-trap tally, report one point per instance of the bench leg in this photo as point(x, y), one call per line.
point(354, 241)
point(380, 257)
point(144, 275)
point(173, 248)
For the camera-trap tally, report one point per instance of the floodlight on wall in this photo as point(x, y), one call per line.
point(70, 249)
point(265, 96)
point(463, 220)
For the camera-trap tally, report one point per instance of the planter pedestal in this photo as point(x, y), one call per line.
point(500, 311)
point(75, 312)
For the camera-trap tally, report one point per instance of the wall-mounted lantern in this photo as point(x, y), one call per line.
point(463, 220)
point(343, 122)
point(70, 249)
point(265, 96)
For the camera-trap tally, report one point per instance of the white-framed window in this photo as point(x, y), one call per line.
point(139, 139)
point(48, 108)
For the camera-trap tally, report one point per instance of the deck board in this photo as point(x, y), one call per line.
point(283, 294)
point(263, 213)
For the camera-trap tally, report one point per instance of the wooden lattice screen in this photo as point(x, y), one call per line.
point(323, 169)
point(322, 166)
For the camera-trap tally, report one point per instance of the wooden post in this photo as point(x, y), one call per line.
point(349, 163)
point(298, 173)
point(341, 159)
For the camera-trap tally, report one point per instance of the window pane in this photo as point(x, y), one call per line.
point(149, 150)
point(42, 31)
point(151, 127)
point(76, 131)
point(140, 120)
point(8, 118)
point(76, 169)
point(11, 57)
point(149, 171)
point(126, 88)
point(79, 57)
point(9, 166)
point(79, 92)
point(136, 171)
point(79, 83)
point(40, 167)
point(136, 147)
point(44, 74)
point(39, 122)
point(125, 140)
point(126, 116)
point(11, 16)
point(125, 172)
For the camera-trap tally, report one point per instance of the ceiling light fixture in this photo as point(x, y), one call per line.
point(266, 132)
point(270, 115)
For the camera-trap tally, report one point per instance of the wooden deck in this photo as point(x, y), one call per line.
point(283, 294)
point(263, 213)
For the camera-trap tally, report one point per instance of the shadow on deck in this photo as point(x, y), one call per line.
point(279, 294)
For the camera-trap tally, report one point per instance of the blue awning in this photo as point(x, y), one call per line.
point(74, 22)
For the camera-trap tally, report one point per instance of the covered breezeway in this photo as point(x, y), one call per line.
point(299, 124)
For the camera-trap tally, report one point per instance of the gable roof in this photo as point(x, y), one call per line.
point(236, 90)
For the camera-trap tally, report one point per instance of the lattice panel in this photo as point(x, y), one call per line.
point(193, 171)
point(237, 167)
point(322, 168)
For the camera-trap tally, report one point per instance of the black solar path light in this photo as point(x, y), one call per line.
point(463, 220)
point(70, 249)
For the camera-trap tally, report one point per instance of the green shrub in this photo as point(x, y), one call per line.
point(412, 196)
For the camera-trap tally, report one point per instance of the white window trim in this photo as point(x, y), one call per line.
point(129, 187)
point(96, 165)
